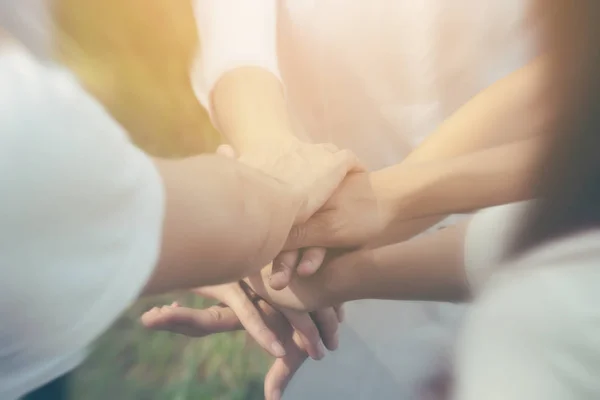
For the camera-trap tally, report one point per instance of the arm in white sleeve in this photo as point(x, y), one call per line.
point(532, 335)
point(80, 220)
point(488, 237)
point(233, 33)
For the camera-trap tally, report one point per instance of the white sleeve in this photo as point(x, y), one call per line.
point(532, 335)
point(233, 33)
point(80, 221)
point(489, 235)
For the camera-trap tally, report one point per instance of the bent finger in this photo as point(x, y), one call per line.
point(282, 269)
point(307, 331)
point(311, 261)
point(327, 323)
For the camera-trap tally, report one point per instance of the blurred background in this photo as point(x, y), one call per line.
point(135, 55)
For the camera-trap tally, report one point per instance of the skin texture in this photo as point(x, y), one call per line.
point(488, 124)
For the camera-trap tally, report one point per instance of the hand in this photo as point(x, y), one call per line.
point(216, 319)
point(312, 171)
point(317, 291)
point(351, 217)
point(313, 332)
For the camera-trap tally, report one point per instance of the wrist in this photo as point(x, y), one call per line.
point(345, 278)
point(389, 196)
point(404, 193)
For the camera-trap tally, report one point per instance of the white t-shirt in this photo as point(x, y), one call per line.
point(533, 332)
point(373, 76)
point(81, 212)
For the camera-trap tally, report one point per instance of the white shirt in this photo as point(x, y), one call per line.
point(81, 212)
point(373, 76)
point(533, 332)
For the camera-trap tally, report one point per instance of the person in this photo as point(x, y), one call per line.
point(90, 222)
point(378, 90)
point(531, 267)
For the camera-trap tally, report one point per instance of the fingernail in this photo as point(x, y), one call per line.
point(336, 342)
point(278, 350)
point(320, 351)
point(306, 267)
point(276, 275)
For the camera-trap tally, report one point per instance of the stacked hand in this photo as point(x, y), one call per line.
point(266, 324)
point(336, 216)
point(312, 171)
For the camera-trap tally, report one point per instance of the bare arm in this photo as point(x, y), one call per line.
point(404, 271)
point(511, 110)
point(438, 266)
point(236, 75)
point(482, 179)
point(223, 221)
point(249, 108)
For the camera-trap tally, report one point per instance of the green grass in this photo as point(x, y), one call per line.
point(130, 362)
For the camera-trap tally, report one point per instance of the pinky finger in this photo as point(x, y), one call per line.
point(339, 310)
point(282, 371)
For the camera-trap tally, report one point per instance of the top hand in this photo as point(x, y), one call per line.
point(313, 171)
point(352, 217)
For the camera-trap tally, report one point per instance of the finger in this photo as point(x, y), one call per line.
point(330, 147)
point(252, 319)
point(191, 322)
point(282, 371)
point(339, 310)
point(282, 269)
point(212, 292)
point(308, 333)
point(226, 150)
point(346, 157)
point(327, 323)
point(351, 162)
point(312, 233)
point(311, 261)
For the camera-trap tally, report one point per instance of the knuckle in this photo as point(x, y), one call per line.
point(297, 235)
point(215, 313)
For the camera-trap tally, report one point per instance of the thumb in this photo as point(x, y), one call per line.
point(226, 150)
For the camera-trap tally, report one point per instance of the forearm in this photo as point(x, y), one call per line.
point(237, 75)
point(405, 271)
point(494, 176)
point(223, 221)
point(250, 111)
point(510, 110)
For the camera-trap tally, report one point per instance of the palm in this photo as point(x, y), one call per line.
point(199, 323)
